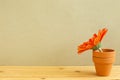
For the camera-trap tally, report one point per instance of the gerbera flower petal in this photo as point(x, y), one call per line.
point(103, 32)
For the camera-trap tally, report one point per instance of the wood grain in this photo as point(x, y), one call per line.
point(54, 73)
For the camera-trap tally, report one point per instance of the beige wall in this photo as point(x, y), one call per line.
point(47, 32)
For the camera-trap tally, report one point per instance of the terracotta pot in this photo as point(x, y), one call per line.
point(103, 61)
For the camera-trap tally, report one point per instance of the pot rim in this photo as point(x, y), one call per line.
point(108, 53)
point(105, 50)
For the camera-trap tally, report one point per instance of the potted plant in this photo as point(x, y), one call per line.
point(102, 58)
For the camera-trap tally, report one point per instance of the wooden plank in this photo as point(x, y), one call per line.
point(54, 73)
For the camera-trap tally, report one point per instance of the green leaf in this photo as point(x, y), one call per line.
point(97, 46)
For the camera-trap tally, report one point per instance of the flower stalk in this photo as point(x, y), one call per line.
point(100, 50)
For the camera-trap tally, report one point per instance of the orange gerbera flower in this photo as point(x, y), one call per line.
point(94, 42)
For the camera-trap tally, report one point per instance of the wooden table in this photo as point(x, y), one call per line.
point(55, 73)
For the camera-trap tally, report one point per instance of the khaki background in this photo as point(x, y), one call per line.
point(47, 32)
